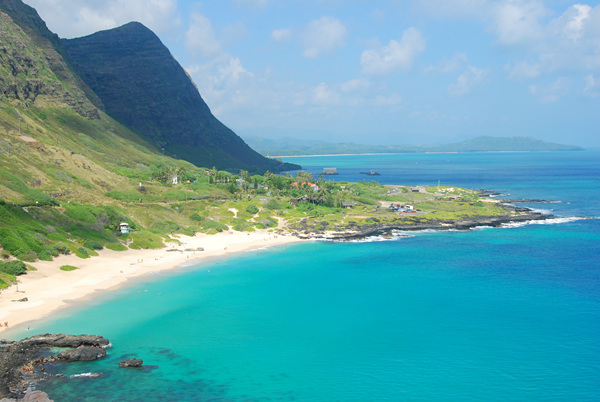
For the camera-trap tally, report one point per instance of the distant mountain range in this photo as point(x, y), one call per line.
point(293, 146)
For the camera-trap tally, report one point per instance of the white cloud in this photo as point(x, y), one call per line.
point(224, 83)
point(350, 94)
point(322, 36)
point(281, 35)
point(563, 41)
point(517, 22)
point(233, 71)
point(522, 70)
point(573, 40)
point(200, 38)
point(356, 85)
point(324, 95)
point(73, 18)
point(552, 92)
point(467, 81)
point(397, 55)
point(448, 65)
point(571, 25)
point(592, 86)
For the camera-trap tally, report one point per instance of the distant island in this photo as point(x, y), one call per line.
point(294, 147)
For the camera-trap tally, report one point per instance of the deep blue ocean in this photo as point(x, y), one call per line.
point(503, 314)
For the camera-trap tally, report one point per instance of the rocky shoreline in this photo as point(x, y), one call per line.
point(514, 214)
point(21, 362)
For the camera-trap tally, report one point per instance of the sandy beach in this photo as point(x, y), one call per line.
point(49, 288)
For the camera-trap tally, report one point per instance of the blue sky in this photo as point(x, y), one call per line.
point(377, 72)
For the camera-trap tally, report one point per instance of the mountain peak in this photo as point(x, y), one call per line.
point(144, 87)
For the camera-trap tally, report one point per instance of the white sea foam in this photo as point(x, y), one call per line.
point(85, 375)
point(397, 234)
point(552, 221)
point(393, 235)
point(542, 211)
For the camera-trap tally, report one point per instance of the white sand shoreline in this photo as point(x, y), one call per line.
point(49, 289)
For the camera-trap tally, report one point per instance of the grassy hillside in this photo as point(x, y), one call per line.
point(70, 174)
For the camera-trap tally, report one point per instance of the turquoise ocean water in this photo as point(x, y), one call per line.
point(508, 314)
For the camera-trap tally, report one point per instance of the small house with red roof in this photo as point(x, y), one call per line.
point(297, 184)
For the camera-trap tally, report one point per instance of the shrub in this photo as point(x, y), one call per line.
point(368, 201)
point(116, 247)
point(82, 253)
point(197, 217)
point(187, 231)
point(145, 240)
point(252, 209)
point(44, 256)
point(61, 248)
point(93, 245)
point(68, 268)
point(11, 243)
point(81, 213)
point(273, 204)
point(39, 197)
point(217, 226)
point(269, 222)
point(13, 268)
point(29, 256)
point(165, 226)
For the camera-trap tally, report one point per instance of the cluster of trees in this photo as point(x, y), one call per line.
point(327, 193)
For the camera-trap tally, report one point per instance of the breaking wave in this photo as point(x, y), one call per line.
point(85, 375)
point(551, 221)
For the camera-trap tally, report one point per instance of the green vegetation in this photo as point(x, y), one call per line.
point(71, 175)
point(82, 253)
point(68, 268)
point(116, 247)
point(93, 245)
point(13, 268)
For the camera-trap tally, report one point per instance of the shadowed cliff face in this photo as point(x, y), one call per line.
point(145, 88)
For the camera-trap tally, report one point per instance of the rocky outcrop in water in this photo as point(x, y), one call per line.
point(19, 360)
point(82, 354)
point(131, 363)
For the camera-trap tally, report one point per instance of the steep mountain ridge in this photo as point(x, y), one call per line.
point(32, 71)
point(55, 145)
point(145, 88)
